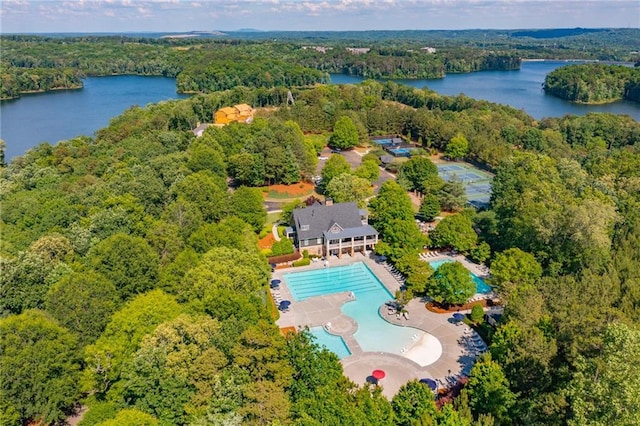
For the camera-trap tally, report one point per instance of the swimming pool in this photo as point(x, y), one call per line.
point(374, 334)
point(481, 286)
point(333, 343)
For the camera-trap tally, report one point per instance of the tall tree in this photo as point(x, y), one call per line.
point(40, 369)
point(457, 148)
point(489, 391)
point(345, 134)
point(83, 302)
point(392, 202)
point(347, 187)
point(128, 262)
point(106, 357)
point(430, 207)
point(334, 166)
point(248, 205)
point(414, 173)
point(455, 231)
point(606, 390)
point(451, 283)
point(516, 267)
point(414, 400)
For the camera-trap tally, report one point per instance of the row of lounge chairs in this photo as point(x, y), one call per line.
point(394, 272)
point(429, 254)
point(473, 341)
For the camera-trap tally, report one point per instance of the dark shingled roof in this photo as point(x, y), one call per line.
point(320, 218)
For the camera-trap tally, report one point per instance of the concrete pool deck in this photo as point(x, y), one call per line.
point(456, 358)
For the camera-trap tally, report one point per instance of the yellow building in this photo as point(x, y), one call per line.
point(241, 113)
point(225, 115)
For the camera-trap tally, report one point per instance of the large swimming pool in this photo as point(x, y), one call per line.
point(481, 286)
point(333, 343)
point(374, 333)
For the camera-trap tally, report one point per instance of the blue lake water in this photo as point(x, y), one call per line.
point(61, 115)
point(521, 89)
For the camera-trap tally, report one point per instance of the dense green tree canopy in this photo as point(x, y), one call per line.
point(83, 302)
point(457, 147)
point(451, 283)
point(392, 202)
point(126, 261)
point(489, 391)
point(333, 167)
point(516, 267)
point(414, 173)
point(608, 392)
point(40, 366)
point(455, 231)
point(345, 134)
point(128, 326)
point(429, 207)
point(347, 187)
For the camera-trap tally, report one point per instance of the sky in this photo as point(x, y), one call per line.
point(42, 16)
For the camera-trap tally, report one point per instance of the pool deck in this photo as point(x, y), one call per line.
point(458, 351)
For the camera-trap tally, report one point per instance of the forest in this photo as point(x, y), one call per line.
point(30, 63)
point(594, 83)
point(132, 282)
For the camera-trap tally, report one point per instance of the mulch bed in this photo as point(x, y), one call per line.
point(288, 330)
point(442, 309)
point(267, 242)
point(299, 189)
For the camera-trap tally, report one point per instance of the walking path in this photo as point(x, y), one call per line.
point(443, 348)
point(274, 231)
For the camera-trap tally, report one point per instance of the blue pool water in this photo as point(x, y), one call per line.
point(374, 333)
point(481, 286)
point(333, 343)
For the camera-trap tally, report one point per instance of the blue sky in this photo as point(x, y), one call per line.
point(314, 15)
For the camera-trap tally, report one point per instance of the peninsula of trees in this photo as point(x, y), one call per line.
point(594, 83)
point(207, 64)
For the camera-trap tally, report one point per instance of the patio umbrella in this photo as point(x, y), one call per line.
point(378, 374)
point(458, 316)
point(275, 283)
point(430, 382)
point(284, 304)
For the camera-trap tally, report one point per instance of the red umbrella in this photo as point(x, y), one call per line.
point(378, 374)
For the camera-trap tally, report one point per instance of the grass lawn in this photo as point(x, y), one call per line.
point(272, 218)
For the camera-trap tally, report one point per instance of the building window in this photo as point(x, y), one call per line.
point(305, 227)
point(319, 241)
point(305, 242)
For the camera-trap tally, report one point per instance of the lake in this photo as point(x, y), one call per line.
point(62, 115)
point(521, 89)
point(65, 114)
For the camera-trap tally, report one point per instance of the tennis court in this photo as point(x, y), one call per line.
point(477, 182)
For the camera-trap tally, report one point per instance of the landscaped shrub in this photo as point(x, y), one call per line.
point(477, 313)
point(284, 246)
point(302, 262)
point(266, 252)
point(305, 253)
